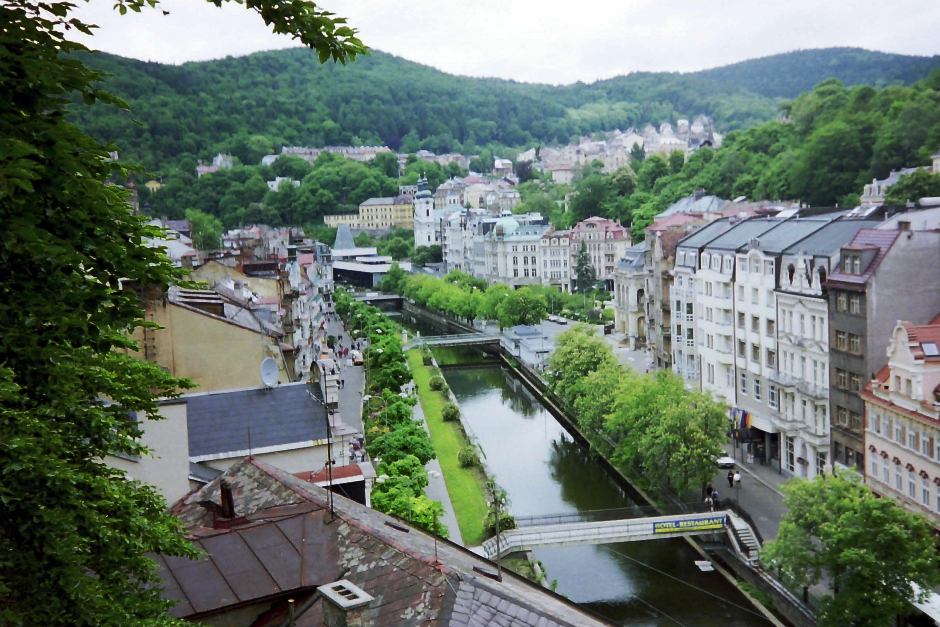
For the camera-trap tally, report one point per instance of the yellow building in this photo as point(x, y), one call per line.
point(216, 344)
point(377, 213)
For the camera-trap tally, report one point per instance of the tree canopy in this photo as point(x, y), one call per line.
point(867, 548)
point(76, 533)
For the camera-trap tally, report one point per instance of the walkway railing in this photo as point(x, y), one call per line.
point(599, 515)
point(459, 339)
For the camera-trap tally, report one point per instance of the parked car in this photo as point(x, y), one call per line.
point(725, 462)
point(553, 318)
point(356, 357)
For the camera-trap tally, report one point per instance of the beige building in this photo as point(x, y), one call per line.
point(215, 343)
point(377, 213)
point(902, 421)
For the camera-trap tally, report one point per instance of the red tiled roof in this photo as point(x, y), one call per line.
point(339, 472)
point(920, 335)
point(676, 219)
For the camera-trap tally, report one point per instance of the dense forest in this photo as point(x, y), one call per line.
point(832, 140)
point(252, 105)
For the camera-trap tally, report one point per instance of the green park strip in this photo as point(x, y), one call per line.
point(464, 485)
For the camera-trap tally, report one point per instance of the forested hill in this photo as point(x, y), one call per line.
point(790, 74)
point(252, 105)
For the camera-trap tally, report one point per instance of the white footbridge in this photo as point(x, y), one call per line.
point(459, 339)
point(533, 536)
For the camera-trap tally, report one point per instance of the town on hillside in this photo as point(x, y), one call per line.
point(324, 336)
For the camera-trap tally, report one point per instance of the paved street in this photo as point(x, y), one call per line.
point(437, 489)
point(350, 396)
point(759, 494)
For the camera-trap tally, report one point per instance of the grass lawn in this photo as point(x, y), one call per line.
point(464, 485)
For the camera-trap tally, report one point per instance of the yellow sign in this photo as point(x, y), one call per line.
point(707, 523)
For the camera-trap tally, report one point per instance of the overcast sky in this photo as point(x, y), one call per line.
point(539, 40)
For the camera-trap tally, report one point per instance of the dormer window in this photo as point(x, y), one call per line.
point(853, 264)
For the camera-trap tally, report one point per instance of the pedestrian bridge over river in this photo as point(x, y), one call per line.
point(542, 531)
point(460, 339)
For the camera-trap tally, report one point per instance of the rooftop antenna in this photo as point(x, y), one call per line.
point(268, 371)
point(329, 450)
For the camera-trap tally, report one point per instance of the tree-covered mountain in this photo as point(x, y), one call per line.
point(252, 105)
point(790, 74)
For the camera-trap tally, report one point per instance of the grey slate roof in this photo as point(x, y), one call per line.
point(788, 232)
point(831, 237)
point(344, 238)
point(218, 422)
point(742, 233)
point(691, 204)
point(706, 234)
point(202, 473)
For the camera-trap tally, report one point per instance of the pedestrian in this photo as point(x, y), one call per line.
point(737, 479)
point(716, 502)
point(731, 478)
point(342, 383)
point(709, 490)
point(709, 504)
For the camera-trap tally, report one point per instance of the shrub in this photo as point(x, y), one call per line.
point(468, 456)
point(450, 413)
point(427, 359)
point(506, 522)
point(437, 383)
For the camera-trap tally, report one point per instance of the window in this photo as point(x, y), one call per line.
point(820, 462)
point(803, 325)
point(856, 382)
point(708, 314)
point(856, 265)
point(755, 324)
point(741, 318)
point(885, 470)
point(841, 301)
point(515, 261)
point(771, 358)
point(911, 487)
point(708, 288)
point(515, 272)
point(842, 378)
point(773, 397)
point(789, 459)
point(874, 466)
point(711, 372)
point(754, 296)
point(768, 267)
point(744, 383)
point(926, 444)
point(742, 264)
point(841, 343)
point(855, 304)
point(897, 383)
point(908, 389)
point(913, 440)
point(875, 423)
point(855, 420)
point(855, 344)
point(741, 348)
point(842, 416)
point(897, 478)
point(740, 292)
point(757, 390)
point(771, 328)
point(770, 298)
point(924, 492)
point(755, 353)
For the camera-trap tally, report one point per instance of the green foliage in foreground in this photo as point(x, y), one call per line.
point(867, 548)
point(464, 484)
point(77, 537)
point(664, 435)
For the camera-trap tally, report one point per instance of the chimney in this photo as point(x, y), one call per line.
point(345, 604)
point(228, 503)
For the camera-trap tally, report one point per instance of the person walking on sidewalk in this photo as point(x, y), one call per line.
point(731, 478)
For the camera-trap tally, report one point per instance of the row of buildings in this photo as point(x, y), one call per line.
point(785, 314)
point(524, 249)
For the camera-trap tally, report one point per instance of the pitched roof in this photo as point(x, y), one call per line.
point(788, 232)
point(284, 417)
point(707, 233)
point(674, 220)
point(866, 239)
point(925, 339)
point(284, 543)
point(741, 233)
point(344, 238)
point(831, 237)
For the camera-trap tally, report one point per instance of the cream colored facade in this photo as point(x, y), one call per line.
point(167, 465)
point(377, 213)
point(902, 422)
point(212, 351)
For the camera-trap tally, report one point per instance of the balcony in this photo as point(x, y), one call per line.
point(805, 388)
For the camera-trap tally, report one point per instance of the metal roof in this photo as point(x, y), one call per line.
point(741, 233)
point(831, 237)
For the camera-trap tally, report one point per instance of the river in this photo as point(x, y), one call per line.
point(545, 471)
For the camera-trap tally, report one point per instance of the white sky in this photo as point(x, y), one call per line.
point(541, 40)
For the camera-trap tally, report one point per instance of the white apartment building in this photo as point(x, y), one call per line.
point(428, 221)
point(902, 414)
point(511, 252)
point(555, 252)
point(606, 242)
point(710, 327)
point(800, 385)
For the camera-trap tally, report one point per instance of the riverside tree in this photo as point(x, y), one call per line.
point(76, 533)
point(867, 548)
point(585, 276)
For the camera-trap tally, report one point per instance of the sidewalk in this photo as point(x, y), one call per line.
point(350, 395)
point(759, 494)
point(437, 489)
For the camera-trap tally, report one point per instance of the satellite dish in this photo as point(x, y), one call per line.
point(269, 372)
